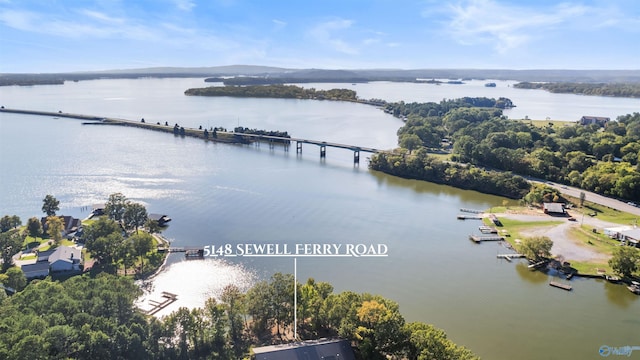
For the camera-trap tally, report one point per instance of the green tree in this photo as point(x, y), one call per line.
point(427, 342)
point(233, 300)
point(15, 278)
point(142, 244)
point(55, 226)
point(34, 227)
point(135, 215)
point(410, 142)
point(10, 244)
point(536, 248)
point(5, 223)
point(115, 206)
point(625, 260)
point(50, 205)
point(105, 248)
point(152, 226)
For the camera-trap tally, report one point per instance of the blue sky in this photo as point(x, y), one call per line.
point(81, 35)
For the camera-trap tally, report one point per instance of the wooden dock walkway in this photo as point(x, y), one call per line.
point(169, 299)
point(480, 238)
point(471, 211)
point(560, 285)
point(510, 257)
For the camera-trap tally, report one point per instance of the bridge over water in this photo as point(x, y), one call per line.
point(272, 140)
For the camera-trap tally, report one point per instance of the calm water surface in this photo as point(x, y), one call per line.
point(219, 194)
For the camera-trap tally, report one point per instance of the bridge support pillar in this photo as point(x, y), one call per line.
point(323, 151)
point(356, 156)
point(271, 145)
point(298, 147)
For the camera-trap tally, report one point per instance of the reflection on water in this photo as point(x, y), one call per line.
point(534, 277)
point(619, 295)
point(194, 282)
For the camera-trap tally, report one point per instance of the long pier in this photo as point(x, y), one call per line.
point(232, 137)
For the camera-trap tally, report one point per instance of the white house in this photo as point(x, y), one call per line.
point(60, 259)
point(65, 258)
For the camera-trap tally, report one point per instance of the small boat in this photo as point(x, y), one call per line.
point(490, 84)
point(611, 278)
point(634, 289)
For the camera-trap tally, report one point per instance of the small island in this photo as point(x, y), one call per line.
point(274, 91)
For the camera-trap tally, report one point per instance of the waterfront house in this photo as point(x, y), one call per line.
point(37, 270)
point(65, 258)
point(60, 259)
point(553, 208)
point(307, 350)
point(591, 120)
point(69, 225)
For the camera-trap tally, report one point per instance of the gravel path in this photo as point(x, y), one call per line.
point(563, 245)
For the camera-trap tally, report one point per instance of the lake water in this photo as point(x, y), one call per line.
point(228, 194)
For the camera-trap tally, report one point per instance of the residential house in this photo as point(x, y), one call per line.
point(37, 270)
point(328, 349)
point(69, 227)
point(60, 259)
point(591, 120)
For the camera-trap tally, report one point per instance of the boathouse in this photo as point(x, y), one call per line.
point(553, 208)
point(162, 220)
point(307, 350)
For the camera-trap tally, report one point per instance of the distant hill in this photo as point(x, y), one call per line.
point(332, 75)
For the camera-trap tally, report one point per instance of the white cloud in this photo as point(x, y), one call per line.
point(325, 33)
point(185, 5)
point(505, 26)
point(101, 16)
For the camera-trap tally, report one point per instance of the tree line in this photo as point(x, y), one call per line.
point(603, 160)
point(88, 317)
point(275, 91)
point(597, 89)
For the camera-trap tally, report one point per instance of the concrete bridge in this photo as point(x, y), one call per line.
point(242, 137)
point(273, 140)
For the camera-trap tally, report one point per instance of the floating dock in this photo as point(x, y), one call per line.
point(510, 257)
point(471, 211)
point(480, 238)
point(169, 299)
point(488, 229)
point(560, 285)
point(469, 217)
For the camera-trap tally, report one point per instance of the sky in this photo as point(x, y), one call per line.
point(40, 36)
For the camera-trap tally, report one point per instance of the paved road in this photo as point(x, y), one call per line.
point(593, 197)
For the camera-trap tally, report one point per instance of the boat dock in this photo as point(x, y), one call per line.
point(169, 299)
point(510, 257)
point(471, 211)
point(560, 285)
point(469, 217)
point(480, 238)
point(189, 253)
point(488, 229)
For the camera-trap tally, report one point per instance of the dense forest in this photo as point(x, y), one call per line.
point(600, 159)
point(275, 91)
point(598, 89)
point(95, 318)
